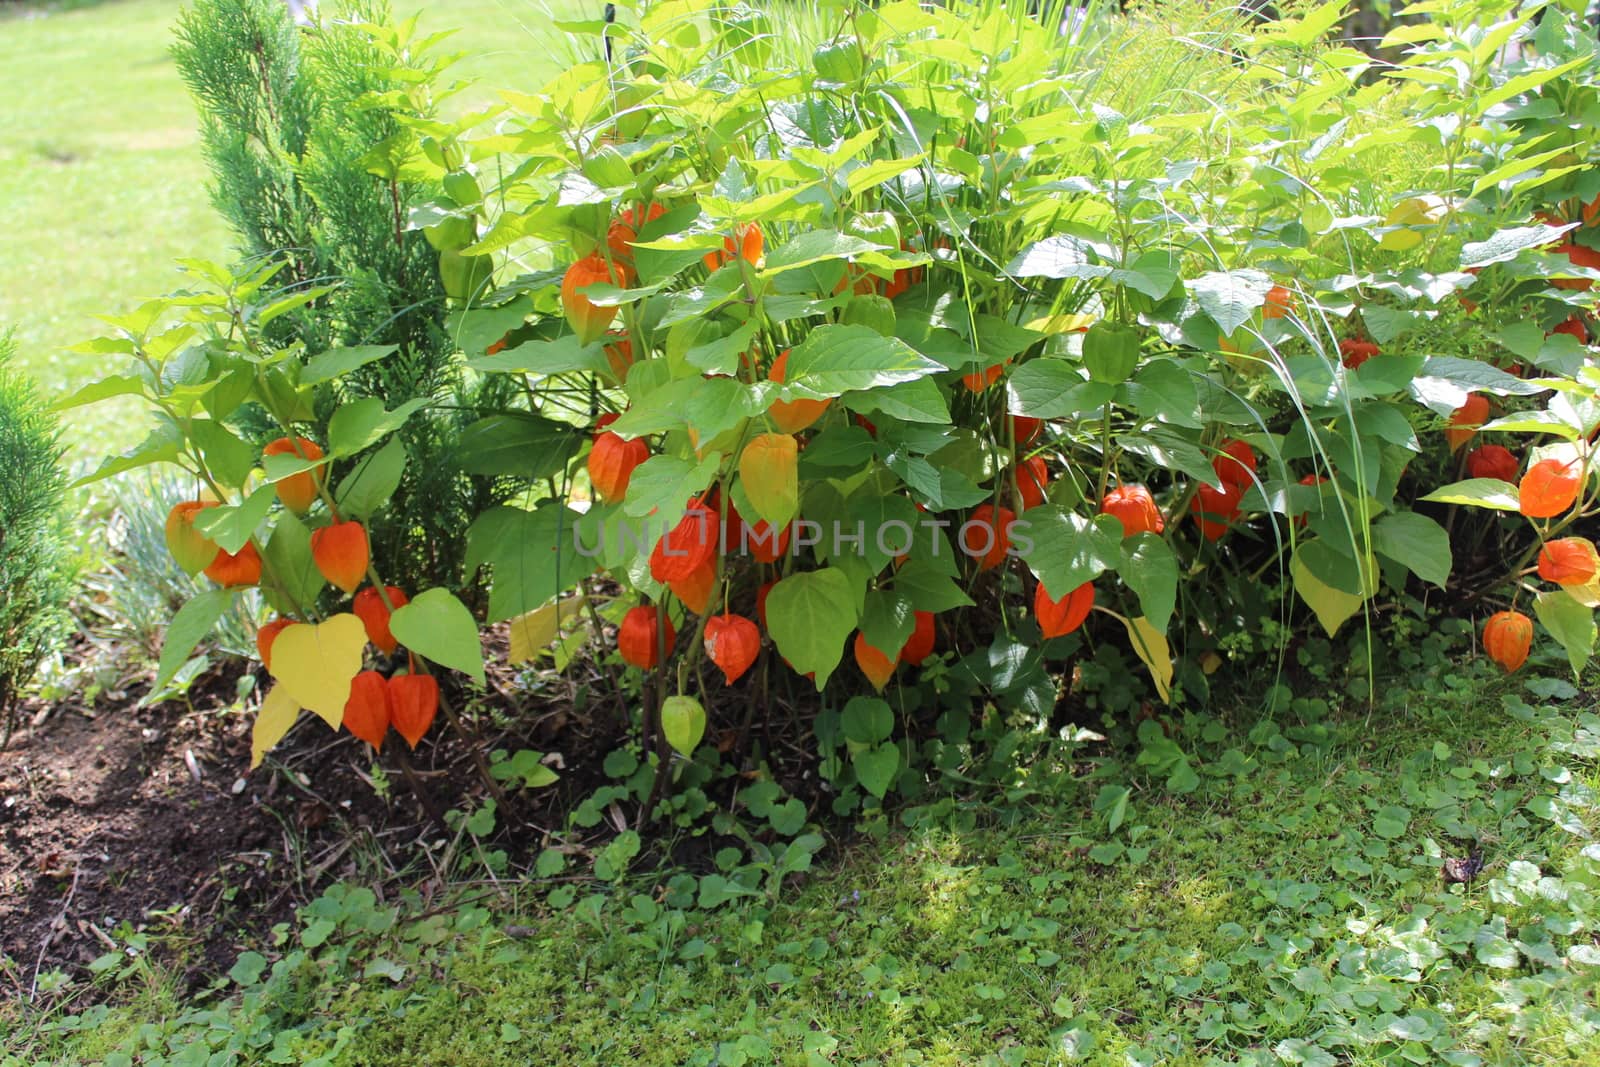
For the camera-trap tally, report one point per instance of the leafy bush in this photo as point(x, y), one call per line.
point(1114, 346)
point(35, 569)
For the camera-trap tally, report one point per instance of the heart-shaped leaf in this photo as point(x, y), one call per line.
point(314, 663)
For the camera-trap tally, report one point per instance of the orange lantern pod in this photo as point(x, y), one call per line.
point(193, 550)
point(1507, 637)
point(1573, 327)
point(341, 554)
point(1279, 303)
point(636, 637)
point(624, 229)
point(1032, 477)
point(374, 615)
point(979, 380)
point(234, 569)
point(1569, 561)
point(1493, 461)
point(1579, 256)
point(1549, 488)
point(611, 463)
point(986, 536)
point(298, 491)
point(413, 702)
point(1466, 419)
point(589, 320)
point(1024, 429)
point(367, 714)
point(1134, 507)
point(732, 643)
point(919, 646)
point(1057, 618)
point(765, 545)
point(1236, 465)
point(688, 546)
point(792, 416)
point(268, 634)
point(696, 588)
point(1353, 352)
point(747, 243)
point(619, 355)
point(874, 664)
point(1215, 509)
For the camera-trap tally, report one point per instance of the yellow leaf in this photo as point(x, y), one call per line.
point(1331, 606)
point(1587, 595)
point(770, 473)
point(534, 632)
point(1151, 646)
point(278, 713)
point(315, 663)
point(1061, 323)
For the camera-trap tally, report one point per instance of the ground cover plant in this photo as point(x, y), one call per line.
point(1330, 892)
point(1012, 440)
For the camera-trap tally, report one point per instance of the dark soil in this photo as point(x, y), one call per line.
point(118, 819)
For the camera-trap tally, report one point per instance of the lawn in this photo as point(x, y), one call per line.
point(103, 182)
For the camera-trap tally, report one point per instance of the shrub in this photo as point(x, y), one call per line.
point(35, 570)
point(1128, 370)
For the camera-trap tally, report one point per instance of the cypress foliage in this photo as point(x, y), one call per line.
point(35, 571)
point(295, 124)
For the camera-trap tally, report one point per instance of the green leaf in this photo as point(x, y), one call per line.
point(928, 588)
point(562, 355)
point(1478, 493)
point(438, 626)
point(364, 422)
point(1230, 298)
point(228, 459)
point(876, 767)
point(337, 362)
point(1506, 244)
point(533, 556)
point(1445, 382)
point(918, 401)
point(664, 484)
point(815, 246)
point(1053, 389)
point(372, 483)
point(683, 723)
point(887, 621)
point(288, 558)
point(162, 446)
point(1064, 549)
point(1391, 822)
point(866, 720)
point(188, 628)
point(1417, 542)
point(231, 525)
point(520, 444)
point(104, 389)
point(1151, 571)
point(810, 616)
point(834, 360)
point(1570, 623)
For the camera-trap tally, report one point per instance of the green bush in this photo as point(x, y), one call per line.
point(35, 575)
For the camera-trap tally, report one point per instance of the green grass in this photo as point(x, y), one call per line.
point(1290, 909)
point(103, 180)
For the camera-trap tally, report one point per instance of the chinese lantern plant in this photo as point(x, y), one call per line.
point(287, 516)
